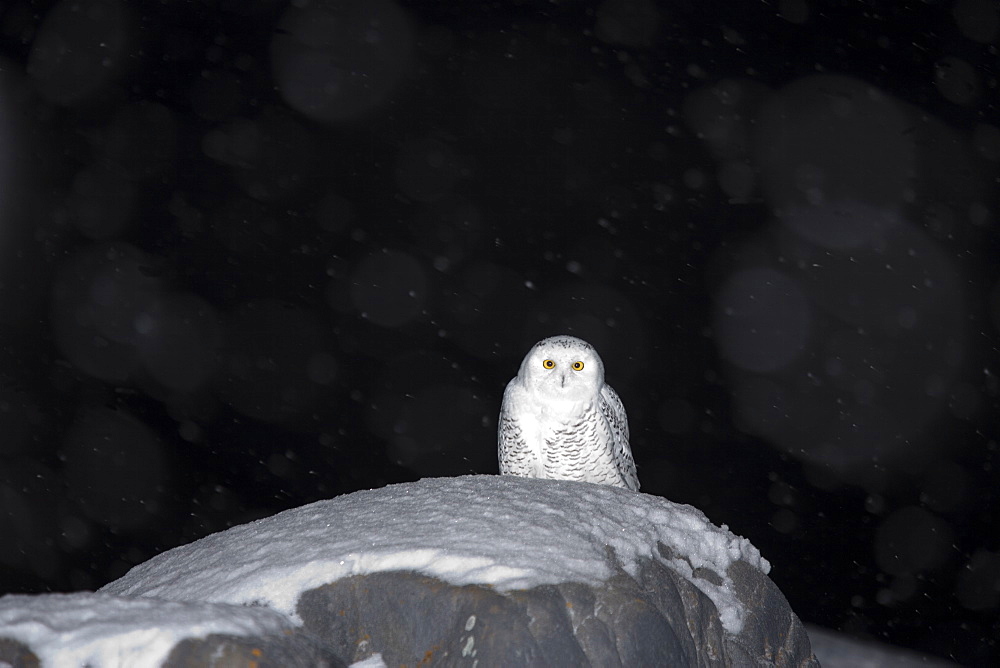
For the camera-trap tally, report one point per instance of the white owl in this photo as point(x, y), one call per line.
point(560, 420)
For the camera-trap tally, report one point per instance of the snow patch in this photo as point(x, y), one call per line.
point(87, 629)
point(374, 661)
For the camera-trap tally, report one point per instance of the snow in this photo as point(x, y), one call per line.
point(374, 661)
point(839, 650)
point(104, 630)
point(508, 533)
point(501, 531)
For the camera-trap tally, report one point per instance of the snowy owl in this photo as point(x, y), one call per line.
point(559, 419)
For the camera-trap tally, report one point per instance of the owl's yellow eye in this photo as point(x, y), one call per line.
point(578, 366)
point(549, 364)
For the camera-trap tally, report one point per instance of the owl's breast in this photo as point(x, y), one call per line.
point(554, 411)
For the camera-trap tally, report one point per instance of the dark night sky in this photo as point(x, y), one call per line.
point(255, 254)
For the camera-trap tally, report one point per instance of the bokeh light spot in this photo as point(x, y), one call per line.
point(98, 297)
point(986, 141)
point(141, 141)
point(979, 20)
point(794, 11)
point(761, 319)
point(114, 468)
point(322, 368)
point(426, 170)
point(912, 541)
point(101, 202)
point(180, 337)
point(627, 22)
point(835, 158)
point(27, 510)
point(956, 80)
point(677, 416)
point(270, 361)
point(839, 225)
point(80, 48)
point(389, 288)
point(337, 59)
point(979, 582)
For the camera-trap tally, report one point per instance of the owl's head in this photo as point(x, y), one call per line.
point(563, 367)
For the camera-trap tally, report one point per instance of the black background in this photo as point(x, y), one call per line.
point(337, 294)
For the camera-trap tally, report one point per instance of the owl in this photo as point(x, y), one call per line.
point(559, 419)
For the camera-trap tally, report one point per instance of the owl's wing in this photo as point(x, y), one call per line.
point(512, 448)
point(614, 412)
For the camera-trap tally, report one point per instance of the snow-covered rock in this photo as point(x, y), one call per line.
point(479, 569)
point(98, 630)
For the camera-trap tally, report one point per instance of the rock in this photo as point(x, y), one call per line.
point(657, 619)
point(477, 570)
point(16, 654)
point(295, 650)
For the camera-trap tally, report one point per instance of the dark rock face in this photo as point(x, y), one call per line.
point(16, 654)
point(656, 619)
point(290, 651)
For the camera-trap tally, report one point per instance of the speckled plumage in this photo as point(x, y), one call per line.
point(562, 422)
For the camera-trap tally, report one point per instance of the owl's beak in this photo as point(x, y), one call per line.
point(562, 380)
